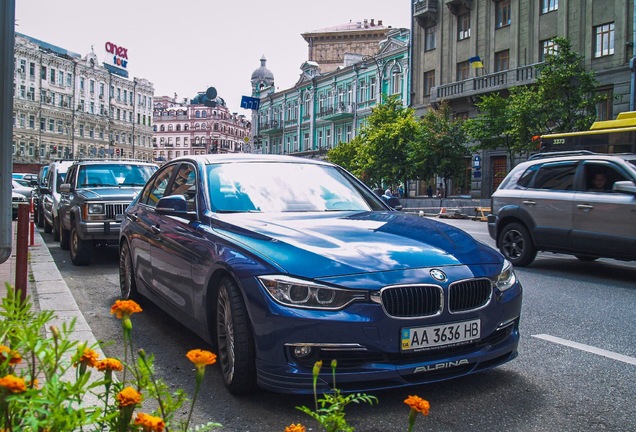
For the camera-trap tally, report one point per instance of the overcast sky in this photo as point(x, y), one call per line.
point(186, 46)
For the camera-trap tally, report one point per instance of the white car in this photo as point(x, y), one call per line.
point(27, 191)
point(16, 200)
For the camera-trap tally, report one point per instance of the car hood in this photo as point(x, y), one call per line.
point(347, 243)
point(124, 193)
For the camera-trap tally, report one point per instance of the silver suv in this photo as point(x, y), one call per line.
point(93, 198)
point(49, 197)
point(578, 203)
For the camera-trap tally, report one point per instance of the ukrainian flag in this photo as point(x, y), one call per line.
point(475, 62)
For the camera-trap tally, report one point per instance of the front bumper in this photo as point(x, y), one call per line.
point(107, 231)
point(492, 226)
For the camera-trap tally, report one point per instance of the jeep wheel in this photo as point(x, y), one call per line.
point(516, 245)
point(234, 339)
point(81, 250)
point(65, 238)
point(56, 229)
point(127, 282)
point(40, 216)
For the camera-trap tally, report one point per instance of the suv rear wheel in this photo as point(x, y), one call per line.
point(56, 229)
point(516, 245)
point(81, 250)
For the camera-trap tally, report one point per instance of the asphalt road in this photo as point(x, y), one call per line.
point(576, 369)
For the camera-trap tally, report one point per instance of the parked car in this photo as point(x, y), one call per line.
point(16, 200)
point(50, 197)
point(93, 198)
point(38, 215)
point(27, 191)
point(283, 261)
point(31, 178)
point(552, 203)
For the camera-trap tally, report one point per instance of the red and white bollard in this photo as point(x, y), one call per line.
point(32, 223)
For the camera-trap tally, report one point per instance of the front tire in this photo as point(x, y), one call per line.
point(234, 339)
point(127, 283)
point(56, 229)
point(81, 250)
point(516, 245)
point(48, 228)
point(65, 238)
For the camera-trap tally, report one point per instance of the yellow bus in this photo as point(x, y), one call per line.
point(609, 136)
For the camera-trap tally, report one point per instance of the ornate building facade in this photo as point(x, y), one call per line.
point(324, 109)
point(68, 106)
point(462, 49)
point(191, 127)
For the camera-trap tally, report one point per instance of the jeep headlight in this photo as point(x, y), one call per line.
point(507, 278)
point(305, 294)
point(95, 208)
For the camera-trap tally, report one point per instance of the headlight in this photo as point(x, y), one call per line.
point(507, 277)
point(95, 208)
point(305, 294)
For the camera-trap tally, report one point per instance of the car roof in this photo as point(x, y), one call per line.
point(113, 161)
point(209, 159)
point(575, 156)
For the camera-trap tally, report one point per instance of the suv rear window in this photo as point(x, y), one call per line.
point(555, 176)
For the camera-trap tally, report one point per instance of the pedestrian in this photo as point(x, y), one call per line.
point(429, 191)
point(440, 191)
point(400, 191)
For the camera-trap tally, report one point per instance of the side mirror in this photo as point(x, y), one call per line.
point(625, 186)
point(175, 205)
point(65, 187)
point(45, 190)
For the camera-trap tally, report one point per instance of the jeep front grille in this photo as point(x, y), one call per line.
point(469, 295)
point(113, 210)
point(412, 301)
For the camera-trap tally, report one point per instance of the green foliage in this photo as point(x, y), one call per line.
point(441, 149)
point(47, 382)
point(561, 100)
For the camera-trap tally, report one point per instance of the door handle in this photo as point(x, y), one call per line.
point(132, 217)
point(529, 203)
point(155, 229)
point(584, 207)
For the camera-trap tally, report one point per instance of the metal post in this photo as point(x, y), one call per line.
point(21, 256)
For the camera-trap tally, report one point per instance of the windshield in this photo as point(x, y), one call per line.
point(283, 187)
point(114, 175)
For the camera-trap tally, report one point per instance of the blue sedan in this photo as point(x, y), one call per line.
point(281, 261)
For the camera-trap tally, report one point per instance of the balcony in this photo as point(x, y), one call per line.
point(425, 12)
point(486, 83)
point(270, 128)
point(340, 111)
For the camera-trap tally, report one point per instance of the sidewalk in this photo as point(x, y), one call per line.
point(47, 288)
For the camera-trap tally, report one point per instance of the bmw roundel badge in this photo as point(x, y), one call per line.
point(438, 275)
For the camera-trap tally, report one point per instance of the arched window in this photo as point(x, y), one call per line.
point(170, 127)
point(154, 128)
point(204, 114)
point(178, 128)
point(186, 127)
point(396, 79)
point(197, 114)
point(197, 126)
point(163, 128)
point(202, 140)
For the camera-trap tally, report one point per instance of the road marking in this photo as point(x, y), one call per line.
point(588, 348)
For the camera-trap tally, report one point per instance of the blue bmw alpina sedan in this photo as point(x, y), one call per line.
point(280, 262)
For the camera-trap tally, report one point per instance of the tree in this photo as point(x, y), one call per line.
point(378, 154)
point(441, 149)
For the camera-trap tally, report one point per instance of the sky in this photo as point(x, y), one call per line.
point(186, 46)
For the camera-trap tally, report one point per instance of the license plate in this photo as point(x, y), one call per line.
point(415, 338)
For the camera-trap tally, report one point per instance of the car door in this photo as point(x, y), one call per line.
point(175, 249)
point(549, 201)
point(142, 219)
point(604, 221)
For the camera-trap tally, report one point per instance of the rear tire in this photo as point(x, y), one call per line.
point(48, 228)
point(56, 229)
point(127, 283)
point(40, 218)
point(65, 238)
point(81, 250)
point(516, 245)
point(234, 339)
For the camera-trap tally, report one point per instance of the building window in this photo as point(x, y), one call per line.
point(604, 109)
point(604, 40)
point(463, 26)
point(501, 61)
point(502, 13)
point(462, 71)
point(549, 5)
point(429, 82)
point(548, 48)
point(429, 38)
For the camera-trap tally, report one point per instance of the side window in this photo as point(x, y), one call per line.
point(558, 176)
point(601, 177)
point(156, 188)
point(527, 176)
point(185, 184)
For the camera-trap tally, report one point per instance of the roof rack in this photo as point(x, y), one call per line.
point(561, 153)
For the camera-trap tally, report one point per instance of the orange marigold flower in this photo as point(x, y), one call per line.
point(295, 428)
point(418, 404)
point(124, 308)
point(13, 383)
point(109, 364)
point(150, 423)
point(201, 358)
point(13, 356)
point(128, 396)
point(88, 358)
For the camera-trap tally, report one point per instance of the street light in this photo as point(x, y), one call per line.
point(379, 67)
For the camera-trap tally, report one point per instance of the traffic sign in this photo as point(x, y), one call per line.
point(250, 103)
